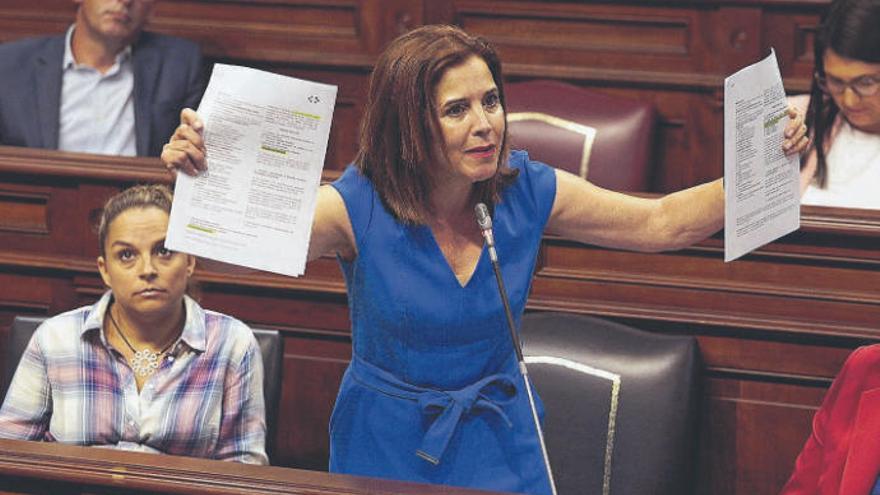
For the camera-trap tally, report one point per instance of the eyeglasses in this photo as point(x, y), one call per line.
point(863, 86)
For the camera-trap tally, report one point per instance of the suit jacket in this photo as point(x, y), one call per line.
point(842, 456)
point(167, 78)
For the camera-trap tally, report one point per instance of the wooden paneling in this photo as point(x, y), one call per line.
point(774, 327)
point(757, 456)
point(569, 32)
point(280, 31)
point(319, 32)
point(313, 368)
point(24, 212)
point(588, 35)
point(674, 54)
point(792, 358)
point(770, 290)
point(23, 18)
point(792, 31)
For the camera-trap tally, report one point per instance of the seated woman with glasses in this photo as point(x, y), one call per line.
point(843, 109)
point(145, 368)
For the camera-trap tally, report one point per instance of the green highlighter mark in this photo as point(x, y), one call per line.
point(201, 229)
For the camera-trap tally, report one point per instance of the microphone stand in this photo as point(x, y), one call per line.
point(485, 223)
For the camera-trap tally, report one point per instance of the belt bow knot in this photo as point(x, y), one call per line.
point(450, 406)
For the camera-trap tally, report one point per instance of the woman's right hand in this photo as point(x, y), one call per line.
point(186, 149)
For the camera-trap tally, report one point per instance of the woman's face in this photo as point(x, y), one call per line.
point(862, 112)
point(471, 122)
point(146, 279)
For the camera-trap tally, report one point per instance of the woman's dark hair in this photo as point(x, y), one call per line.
point(400, 125)
point(141, 196)
point(851, 28)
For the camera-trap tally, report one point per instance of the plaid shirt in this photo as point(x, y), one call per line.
point(205, 400)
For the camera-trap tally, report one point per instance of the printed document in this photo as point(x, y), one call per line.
point(266, 138)
point(761, 185)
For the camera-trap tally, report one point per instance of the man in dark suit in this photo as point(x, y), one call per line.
point(104, 87)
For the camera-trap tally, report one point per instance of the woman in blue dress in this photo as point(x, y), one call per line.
point(433, 393)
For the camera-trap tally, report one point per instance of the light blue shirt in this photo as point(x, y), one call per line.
point(97, 110)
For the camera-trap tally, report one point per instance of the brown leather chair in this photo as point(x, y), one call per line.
point(606, 139)
point(620, 404)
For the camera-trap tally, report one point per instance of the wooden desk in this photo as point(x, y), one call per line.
point(51, 468)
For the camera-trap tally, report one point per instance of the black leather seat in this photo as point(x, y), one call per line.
point(271, 347)
point(621, 404)
point(19, 336)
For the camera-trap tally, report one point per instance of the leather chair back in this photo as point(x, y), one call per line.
point(621, 404)
point(606, 139)
point(271, 347)
point(20, 333)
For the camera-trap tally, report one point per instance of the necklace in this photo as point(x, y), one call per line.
point(144, 362)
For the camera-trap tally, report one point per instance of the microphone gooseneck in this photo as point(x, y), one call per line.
point(484, 220)
point(485, 223)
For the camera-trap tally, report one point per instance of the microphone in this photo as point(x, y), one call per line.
point(485, 223)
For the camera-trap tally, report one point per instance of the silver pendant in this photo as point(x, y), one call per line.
point(145, 362)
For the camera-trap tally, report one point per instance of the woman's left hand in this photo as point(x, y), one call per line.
point(796, 138)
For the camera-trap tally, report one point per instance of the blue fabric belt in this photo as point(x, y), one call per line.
point(448, 407)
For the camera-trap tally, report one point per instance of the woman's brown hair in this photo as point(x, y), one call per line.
point(400, 123)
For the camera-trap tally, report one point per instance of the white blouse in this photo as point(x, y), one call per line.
point(853, 172)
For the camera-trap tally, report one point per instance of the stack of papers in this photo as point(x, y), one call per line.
point(266, 139)
point(761, 183)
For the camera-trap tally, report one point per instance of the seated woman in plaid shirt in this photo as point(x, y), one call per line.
point(145, 368)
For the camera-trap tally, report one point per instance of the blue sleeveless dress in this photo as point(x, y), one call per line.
point(433, 393)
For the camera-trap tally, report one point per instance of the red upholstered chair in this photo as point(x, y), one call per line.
point(606, 139)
